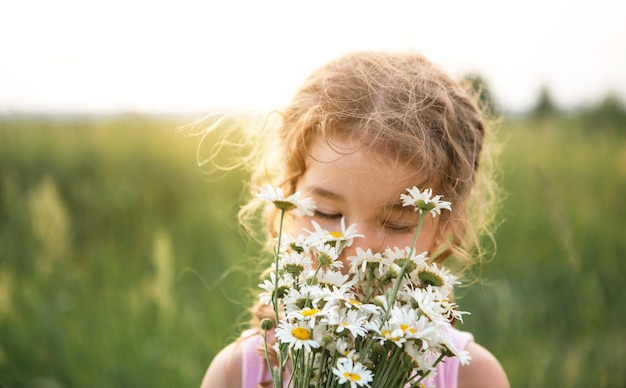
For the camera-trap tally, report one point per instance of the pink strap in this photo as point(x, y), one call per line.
point(254, 368)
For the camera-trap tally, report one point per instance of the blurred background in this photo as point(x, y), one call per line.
point(121, 260)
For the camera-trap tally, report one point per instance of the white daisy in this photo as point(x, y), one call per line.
point(424, 201)
point(354, 373)
point(331, 278)
point(310, 315)
point(294, 263)
point(301, 206)
point(351, 320)
point(398, 256)
point(284, 284)
point(446, 346)
point(367, 259)
point(393, 334)
point(346, 349)
point(305, 296)
point(298, 336)
point(289, 243)
point(340, 239)
point(327, 256)
point(429, 303)
point(407, 320)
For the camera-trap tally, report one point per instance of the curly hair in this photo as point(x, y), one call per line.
point(406, 109)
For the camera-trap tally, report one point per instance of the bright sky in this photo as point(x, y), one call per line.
point(189, 56)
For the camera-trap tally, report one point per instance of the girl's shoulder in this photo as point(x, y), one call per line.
point(484, 370)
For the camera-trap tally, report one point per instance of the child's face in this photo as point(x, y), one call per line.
point(365, 190)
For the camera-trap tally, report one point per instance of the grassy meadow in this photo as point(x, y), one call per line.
point(122, 263)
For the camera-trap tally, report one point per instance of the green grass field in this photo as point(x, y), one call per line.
point(122, 264)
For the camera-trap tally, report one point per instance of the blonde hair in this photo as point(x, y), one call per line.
point(406, 109)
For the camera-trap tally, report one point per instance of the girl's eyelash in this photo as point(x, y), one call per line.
point(398, 228)
point(331, 216)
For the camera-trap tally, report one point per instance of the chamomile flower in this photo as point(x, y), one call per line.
point(301, 206)
point(367, 259)
point(407, 320)
point(351, 320)
point(346, 349)
point(398, 256)
point(327, 256)
point(445, 345)
point(284, 283)
point(331, 278)
point(391, 333)
point(431, 274)
point(294, 263)
point(298, 336)
point(424, 201)
point(310, 315)
point(340, 239)
point(353, 373)
point(428, 300)
point(306, 296)
point(289, 243)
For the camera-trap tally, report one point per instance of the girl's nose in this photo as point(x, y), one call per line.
point(372, 240)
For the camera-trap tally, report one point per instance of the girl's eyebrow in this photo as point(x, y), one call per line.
point(394, 206)
point(322, 192)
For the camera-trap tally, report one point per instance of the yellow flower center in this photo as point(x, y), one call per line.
point(354, 302)
point(301, 333)
point(309, 312)
point(336, 234)
point(408, 328)
point(352, 376)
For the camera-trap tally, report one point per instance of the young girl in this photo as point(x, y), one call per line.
point(359, 132)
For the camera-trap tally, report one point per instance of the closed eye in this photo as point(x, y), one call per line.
point(399, 228)
point(327, 216)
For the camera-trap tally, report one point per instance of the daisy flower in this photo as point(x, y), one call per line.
point(340, 239)
point(289, 243)
point(367, 259)
point(424, 201)
point(435, 276)
point(284, 283)
point(301, 206)
point(327, 256)
point(398, 256)
point(407, 320)
point(306, 296)
point(354, 373)
point(351, 320)
point(393, 334)
point(310, 315)
point(298, 336)
point(294, 263)
point(428, 300)
point(331, 278)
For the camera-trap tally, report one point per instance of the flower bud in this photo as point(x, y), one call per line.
point(267, 324)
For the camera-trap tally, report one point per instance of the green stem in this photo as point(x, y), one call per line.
point(391, 297)
point(275, 293)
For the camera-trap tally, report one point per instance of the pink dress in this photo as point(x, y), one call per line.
point(254, 367)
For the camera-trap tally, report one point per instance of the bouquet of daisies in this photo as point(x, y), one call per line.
point(382, 322)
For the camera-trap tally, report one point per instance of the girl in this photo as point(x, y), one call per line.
point(359, 131)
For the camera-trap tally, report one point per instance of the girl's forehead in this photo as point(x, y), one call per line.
point(348, 170)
